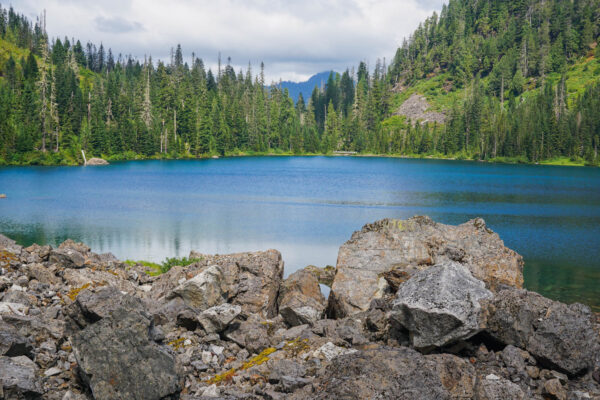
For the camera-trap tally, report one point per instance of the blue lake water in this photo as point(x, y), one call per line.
point(306, 207)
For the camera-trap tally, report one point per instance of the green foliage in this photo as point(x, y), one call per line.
point(165, 266)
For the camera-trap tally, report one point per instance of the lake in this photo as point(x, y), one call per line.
point(306, 207)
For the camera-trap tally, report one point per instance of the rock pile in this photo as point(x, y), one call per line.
point(417, 310)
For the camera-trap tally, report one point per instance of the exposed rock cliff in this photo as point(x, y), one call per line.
point(425, 311)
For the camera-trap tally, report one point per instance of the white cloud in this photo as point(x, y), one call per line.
point(294, 38)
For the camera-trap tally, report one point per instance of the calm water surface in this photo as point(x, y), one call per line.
point(307, 207)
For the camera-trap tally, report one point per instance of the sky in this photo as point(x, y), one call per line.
point(294, 38)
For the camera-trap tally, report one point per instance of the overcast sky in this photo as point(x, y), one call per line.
point(295, 38)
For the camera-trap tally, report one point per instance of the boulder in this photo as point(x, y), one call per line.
point(12, 343)
point(216, 319)
point(559, 336)
point(251, 334)
point(495, 388)
point(300, 299)
point(456, 375)
point(204, 290)
point(377, 259)
point(7, 244)
point(19, 378)
point(67, 258)
point(96, 161)
point(440, 305)
point(92, 305)
point(380, 373)
point(251, 280)
point(116, 358)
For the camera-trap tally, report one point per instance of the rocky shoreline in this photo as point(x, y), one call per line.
point(417, 310)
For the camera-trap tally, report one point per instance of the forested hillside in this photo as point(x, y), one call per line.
point(516, 81)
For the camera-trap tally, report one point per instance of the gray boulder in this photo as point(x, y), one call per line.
point(377, 259)
point(440, 305)
point(300, 299)
point(19, 378)
point(379, 373)
point(251, 280)
point(205, 290)
point(217, 318)
point(117, 359)
point(495, 388)
point(67, 258)
point(559, 336)
point(12, 343)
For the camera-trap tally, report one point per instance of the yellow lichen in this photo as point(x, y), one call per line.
point(73, 293)
point(262, 358)
point(177, 343)
point(225, 377)
point(259, 359)
point(6, 257)
point(296, 346)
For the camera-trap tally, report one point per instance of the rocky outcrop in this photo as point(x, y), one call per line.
point(96, 161)
point(300, 299)
point(417, 109)
point(205, 290)
point(377, 259)
point(250, 280)
point(446, 321)
point(440, 305)
point(560, 336)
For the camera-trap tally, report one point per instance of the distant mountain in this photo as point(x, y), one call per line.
point(306, 88)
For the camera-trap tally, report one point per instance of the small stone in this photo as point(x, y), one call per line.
point(492, 377)
point(554, 390)
point(329, 351)
point(206, 357)
point(52, 371)
point(218, 350)
point(561, 377)
point(533, 372)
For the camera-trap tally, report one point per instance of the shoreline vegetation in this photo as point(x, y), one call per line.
point(64, 159)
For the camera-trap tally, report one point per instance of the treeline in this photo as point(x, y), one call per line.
point(509, 41)
point(61, 97)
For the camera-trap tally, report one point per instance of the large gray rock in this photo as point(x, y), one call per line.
point(117, 359)
point(251, 280)
point(12, 343)
point(92, 305)
point(300, 299)
point(19, 378)
point(496, 388)
point(440, 305)
point(217, 318)
point(380, 373)
point(205, 290)
point(558, 335)
point(67, 258)
point(377, 259)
